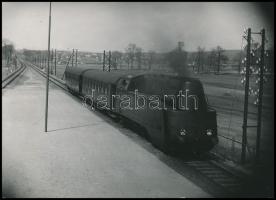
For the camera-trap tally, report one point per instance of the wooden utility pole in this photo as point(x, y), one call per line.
point(52, 62)
point(260, 97)
point(244, 126)
point(103, 60)
point(76, 57)
point(43, 61)
point(199, 61)
point(55, 62)
point(109, 61)
point(67, 65)
point(73, 59)
point(47, 82)
point(219, 52)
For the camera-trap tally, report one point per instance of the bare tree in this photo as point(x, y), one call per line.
point(219, 53)
point(200, 58)
point(212, 58)
point(138, 56)
point(116, 58)
point(130, 54)
point(151, 58)
point(7, 50)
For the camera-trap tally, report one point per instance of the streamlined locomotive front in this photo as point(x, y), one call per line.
point(193, 124)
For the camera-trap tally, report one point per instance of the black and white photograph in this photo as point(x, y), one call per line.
point(137, 99)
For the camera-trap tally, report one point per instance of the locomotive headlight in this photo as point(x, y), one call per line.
point(183, 132)
point(209, 132)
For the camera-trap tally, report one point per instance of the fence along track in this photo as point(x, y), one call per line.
point(13, 75)
point(228, 181)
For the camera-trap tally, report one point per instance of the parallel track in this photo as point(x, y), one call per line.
point(228, 183)
point(53, 79)
point(6, 81)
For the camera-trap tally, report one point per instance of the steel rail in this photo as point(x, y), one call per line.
point(7, 80)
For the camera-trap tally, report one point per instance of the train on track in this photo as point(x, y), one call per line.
point(172, 109)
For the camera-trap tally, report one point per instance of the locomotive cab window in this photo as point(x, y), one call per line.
point(196, 98)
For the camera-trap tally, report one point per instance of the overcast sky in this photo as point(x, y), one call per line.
point(98, 26)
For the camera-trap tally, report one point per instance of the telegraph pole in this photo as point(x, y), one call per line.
point(244, 126)
point(260, 97)
point(103, 60)
point(55, 62)
point(47, 82)
point(43, 61)
point(199, 61)
point(67, 65)
point(109, 60)
point(52, 61)
point(73, 59)
point(76, 57)
point(219, 52)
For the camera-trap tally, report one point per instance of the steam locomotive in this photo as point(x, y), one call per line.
point(171, 108)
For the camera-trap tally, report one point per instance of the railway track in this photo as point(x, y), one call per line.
point(227, 182)
point(53, 79)
point(6, 81)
